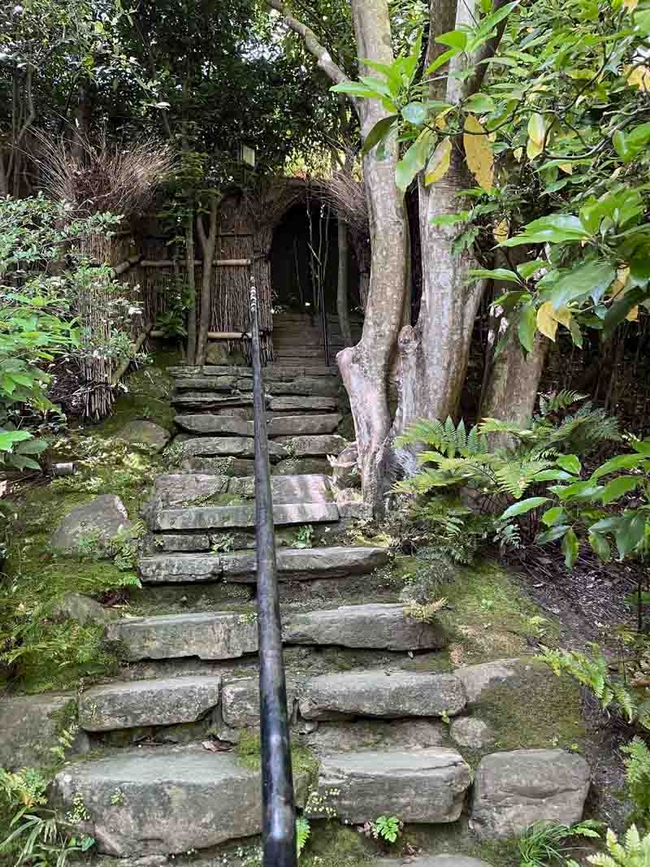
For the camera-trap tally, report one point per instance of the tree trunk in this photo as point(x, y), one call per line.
point(209, 246)
point(83, 119)
point(512, 379)
point(365, 367)
point(191, 289)
point(342, 304)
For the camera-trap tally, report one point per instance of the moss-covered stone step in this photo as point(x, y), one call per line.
point(229, 517)
point(210, 400)
point(187, 489)
point(162, 800)
point(293, 563)
point(156, 702)
point(209, 635)
point(445, 860)
point(313, 446)
point(304, 403)
point(208, 423)
point(421, 786)
point(379, 693)
point(303, 425)
point(227, 446)
point(271, 372)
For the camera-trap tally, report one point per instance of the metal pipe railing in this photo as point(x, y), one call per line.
point(278, 813)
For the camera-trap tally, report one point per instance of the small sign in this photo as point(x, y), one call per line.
point(248, 156)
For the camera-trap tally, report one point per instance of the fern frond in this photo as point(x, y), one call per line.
point(497, 425)
point(559, 401)
point(431, 433)
point(516, 476)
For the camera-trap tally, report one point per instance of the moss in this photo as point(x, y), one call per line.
point(537, 710)
point(457, 838)
point(334, 845)
point(249, 748)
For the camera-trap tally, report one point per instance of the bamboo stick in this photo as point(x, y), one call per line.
point(219, 263)
point(125, 266)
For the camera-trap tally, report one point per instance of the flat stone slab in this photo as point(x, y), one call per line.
point(311, 386)
point(205, 423)
point(209, 635)
point(210, 400)
point(422, 786)
point(159, 702)
point(378, 693)
point(31, 725)
point(307, 425)
point(270, 371)
point(226, 383)
point(100, 520)
point(240, 702)
point(142, 432)
point(477, 678)
point(512, 790)
point(181, 542)
point(293, 563)
point(375, 734)
point(434, 861)
point(374, 625)
point(240, 447)
point(288, 403)
point(226, 517)
point(309, 446)
point(175, 489)
point(303, 488)
point(170, 800)
point(229, 466)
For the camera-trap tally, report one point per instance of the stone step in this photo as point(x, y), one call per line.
point(208, 635)
point(227, 446)
point(378, 693)
point(158, 801)
point(444, 860)
point(159, 702)
point(271, 371)
point(226, 517)
point(421, 786)
point(206, 423)
point(303, 425)
point(293, 564)
point(313, 445)
point(210, 400)
point(186, 489)
point(323, 386)
point(301, 404)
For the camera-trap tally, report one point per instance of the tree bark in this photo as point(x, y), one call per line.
point(342, 304)
point(365, 367)
point(208, 246)
point(191, 289)
point(83, 119)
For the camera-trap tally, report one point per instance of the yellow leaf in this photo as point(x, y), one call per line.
point(618, 286)
point(546, 321)
point(501, 232)
point(439, 163)
point(630, 5)
point(638, 76)
point(567, 168)
point(518, 154)
point(536, 135)
point(478, 152)
point(441, 123)
point(563, 316)
point(633, 315)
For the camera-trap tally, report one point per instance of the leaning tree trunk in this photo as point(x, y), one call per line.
point(191, 289)
point(365, 367)
point(209, 246)
point(342, 303)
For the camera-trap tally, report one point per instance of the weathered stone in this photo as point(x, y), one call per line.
point(225, 383)
point(351, 504)
point(477, 678)
point(382, 694)
point(374, 625)
point(471, 732)
point(308, 446)
point(240, 702)
point(221, 517)
point(210, 400)
point(301, 466)
point(299, 425)
point(345, 470)
point(181, 542)
point(159, 702)
point(243, 447)
point(180, 568)
point(302, 404)
point(224, 466)
point(81, 608)
point(218, 635)
point(513, 790)
point(31, 725)
point(316, 386)
point(178, 489)
point(309, 563)
point(421, 786)
point(170, 800)
point(100, 520)
point(299, 351)
point(312, 488)
point(374, 734)
point(142, 432)
point(434, 861)
point(206, 423)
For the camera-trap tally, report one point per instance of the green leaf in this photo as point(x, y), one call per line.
point(553, 516)
point(527, 269)
point(523, 506)
point(355, 88)
point(600, 546)
point(480, 103)
point(8, 438)
point(570, 548)
point(589, 279)
point(554, 229)
point(620, 308)
point(552, 535)
point(379, 131)
point(454, 39)
point(441, 59)
point(413, 161)
point(570, 463)
point(527, 327)
point(414, 113)
point(496, 274)
point(615, 489)
point(620, 462)
point(630, 532)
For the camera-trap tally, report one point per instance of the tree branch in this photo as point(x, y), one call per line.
point(322, 55)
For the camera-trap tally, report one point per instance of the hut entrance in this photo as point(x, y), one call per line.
point(304, 261)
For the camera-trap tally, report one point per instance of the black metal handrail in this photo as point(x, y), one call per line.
point(278, 813)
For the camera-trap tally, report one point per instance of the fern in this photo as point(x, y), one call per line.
point(303, 833)
point(634, 852)
point(637, 776)
point(559, 401)
point(516, 476)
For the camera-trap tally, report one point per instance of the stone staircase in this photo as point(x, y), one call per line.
point(165, 775)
